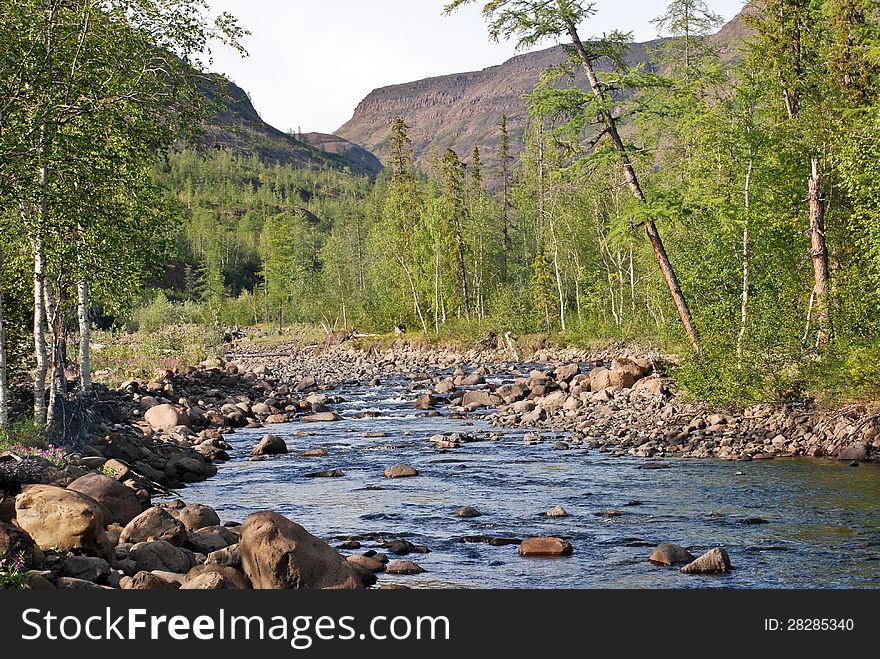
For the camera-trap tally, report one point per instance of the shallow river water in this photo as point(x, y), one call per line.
point(796, 523)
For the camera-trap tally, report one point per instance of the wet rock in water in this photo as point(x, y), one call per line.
point(669, 554)
point(611, 512)
point(477, 399)
point(61, 519)
point(653, 465)
point(277, 418)
point(404, 567)
point(425, 402)
point(327, 473)
point(491, 541)
point(445, 387)
point(154, 524)
point(280, 554)
point(270, 445)
point(374, 435)
point(531, 438)
point(561, 446)
point(545, 546)
point(751, 521)
point(120, 501)
point(367, 562)
point(472, 380)
point(634, 502)
point(402, 547)
point(857, 451)
point(375, 382)
point(314, 453)
point(557, 511)
point(321, 417)
point(349, 544)
point(401, 471)
point(467, 511)
point(714, 561)
point(854, 464)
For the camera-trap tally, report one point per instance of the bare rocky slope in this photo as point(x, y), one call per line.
point(463, 109)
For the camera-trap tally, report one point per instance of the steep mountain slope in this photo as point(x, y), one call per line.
point(463, 109)
point(235, 125)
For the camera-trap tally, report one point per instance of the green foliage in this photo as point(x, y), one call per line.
point(13, 573)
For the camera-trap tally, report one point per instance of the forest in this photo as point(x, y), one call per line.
point(727, 211)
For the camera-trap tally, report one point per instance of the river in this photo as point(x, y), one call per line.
point(786, 523)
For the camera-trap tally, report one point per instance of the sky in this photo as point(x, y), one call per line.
point(312, 61)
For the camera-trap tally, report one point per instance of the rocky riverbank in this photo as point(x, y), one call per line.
point(91, 523)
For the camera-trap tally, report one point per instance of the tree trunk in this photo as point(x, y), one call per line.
point(819, 253)
point(747, 251)
point(415, 295)
point(632, 181)
point(41, 359)
point(56, 352)
point(85, 336)
point(4, 385)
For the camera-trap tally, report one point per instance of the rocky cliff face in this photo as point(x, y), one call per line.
point(235, 125)
point(463, 109)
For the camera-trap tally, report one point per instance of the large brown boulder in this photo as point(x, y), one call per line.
point(166, 417)
point(714, 561)
point(161, 555)
point(61, 519)
point(270, 445)
point(235, 579)
point(669, 554)
point(15, 541)
point(120, 501)
point(548, 546)
point(154, 524)
point(477, 398)
point(197, 516)
point(277, 553)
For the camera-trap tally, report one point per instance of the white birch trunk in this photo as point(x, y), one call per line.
point(85, 336)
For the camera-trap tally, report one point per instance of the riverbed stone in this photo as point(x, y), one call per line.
point(714, 561)
point(401, 471)
point(545, 546)
point(467, 512)
point(367, 562)
point(858, 451)
point(119, 500)
point(197, 516)
point(670, 554)
point(404, 568)
point(280, 554)
point(270, 445)
point(62, 520)
point(162, 555)
point(166, 417)
point(154, 524)
point(557, 511)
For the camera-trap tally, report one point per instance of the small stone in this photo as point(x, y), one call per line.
point(467, 511)
point(557, 511)
point(714, 561)
point(314, 453)
point(548, 546)
point(669, 554)
point(327, 473)
point(400, 471)
point(404, 567)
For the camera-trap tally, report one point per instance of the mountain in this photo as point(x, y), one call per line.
point(463, 109)
point(234, 125)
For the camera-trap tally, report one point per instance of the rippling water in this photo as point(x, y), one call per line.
point(787, 523)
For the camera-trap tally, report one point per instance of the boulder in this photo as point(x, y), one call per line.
point(197, 516)
point(547, 546)
point(208, 581)
point(467, 511)
point(205, 543)
point(72, 583)
point(154, 524)
point(566, 373)
point(314, 453)
point(714, 561)
point(857, 451)
point(234, 579)
point(277, 553)
point(367, 562)
point(306, 384)
point(400, 471)
point(166, 417)
point(669, 554)
point(404, 567)
point(231, 557)
point(425, 402)
point(557, 511)
point(270, 445)
point(15, 541)
point(600, 378)
point(321, 417)
point(162, 555)
point(62, 520)
point(120, 501)
point(89, 568)
point(147, 581)
point(476, 399)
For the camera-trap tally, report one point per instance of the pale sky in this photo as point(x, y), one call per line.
point(312, 61)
